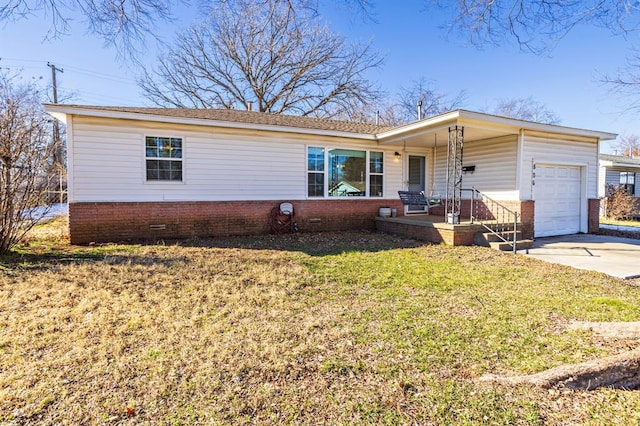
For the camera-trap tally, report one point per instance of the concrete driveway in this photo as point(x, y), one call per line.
point(619, 257)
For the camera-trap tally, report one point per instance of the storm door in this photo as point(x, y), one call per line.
point(416, 179)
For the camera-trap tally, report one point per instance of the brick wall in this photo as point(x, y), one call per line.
point(527, 215)
point(593, 217)
point(455, 235)
point(104, 222)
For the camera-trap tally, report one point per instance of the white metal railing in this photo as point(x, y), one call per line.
point(495, 217)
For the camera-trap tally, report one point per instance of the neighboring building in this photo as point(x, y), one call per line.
point(172, 173)
point(618, 171)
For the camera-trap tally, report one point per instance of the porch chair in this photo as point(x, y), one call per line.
point(414, 198)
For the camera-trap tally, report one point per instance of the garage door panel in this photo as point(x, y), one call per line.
point(546, 209)
point(549, 191)
point(557, 197)
point(575, 173)
point(558, 209)
point(547, 172)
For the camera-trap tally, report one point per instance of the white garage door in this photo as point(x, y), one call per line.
point(557, 197)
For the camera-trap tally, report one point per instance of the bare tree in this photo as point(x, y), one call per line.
point(25, 158)
point(526, 109)
point(537, 25)
point(126, 24)
point(280, 59)
point(626, 82)
point(432, 101)
point(628, 145)
point(122, 23)
point(403, 108)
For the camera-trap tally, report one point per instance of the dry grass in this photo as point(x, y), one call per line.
point(609, 221)
point(352, 328)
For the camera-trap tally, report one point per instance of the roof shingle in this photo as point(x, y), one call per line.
point(248, 117)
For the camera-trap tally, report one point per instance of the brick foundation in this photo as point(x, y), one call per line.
point(108, 222)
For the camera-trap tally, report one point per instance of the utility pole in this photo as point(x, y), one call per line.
point(57, 148)
point(54, 69)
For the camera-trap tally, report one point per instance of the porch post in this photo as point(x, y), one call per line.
point(454, 174)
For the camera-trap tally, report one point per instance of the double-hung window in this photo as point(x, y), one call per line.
point(163, 158)
point(337, 172)
point(315, 172)
point(376, 173)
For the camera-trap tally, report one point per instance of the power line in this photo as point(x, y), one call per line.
point(101, 75)
point(74, 79)
point(76, 70)
point(98, 97)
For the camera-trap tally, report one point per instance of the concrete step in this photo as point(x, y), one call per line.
point(484, 237)
point(489, 239)
point(506, 235)
point(520, 245)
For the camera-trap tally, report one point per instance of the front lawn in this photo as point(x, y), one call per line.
point(351, 328)
point(608, 221)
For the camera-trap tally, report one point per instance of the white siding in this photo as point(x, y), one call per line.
point(602, 178)
point(559, 152)
point(108, 163)
point(393, 174)
point(612, 177)
point(495, 172)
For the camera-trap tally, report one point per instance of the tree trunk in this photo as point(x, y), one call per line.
point(7, 220)
point(618, 371)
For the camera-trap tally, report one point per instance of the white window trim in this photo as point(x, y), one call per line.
point(325, 172)
point(145, 181)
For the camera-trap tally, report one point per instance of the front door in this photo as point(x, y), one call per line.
point(416, 179)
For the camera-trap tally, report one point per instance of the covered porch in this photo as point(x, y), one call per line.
point(441, 154)
point(541, 173)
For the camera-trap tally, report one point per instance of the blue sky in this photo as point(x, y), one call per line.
point(411, 39)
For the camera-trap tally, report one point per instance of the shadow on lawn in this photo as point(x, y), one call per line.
point(313, 243)
point(40, 261)
point(15, 260)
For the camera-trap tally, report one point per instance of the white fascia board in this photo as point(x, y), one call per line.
point(625, 165)
point(460, 117)
point(62, 117)
point(484, 121)
point(58, 111)
point(421, 126)
point(533, 126)
point(415, 133)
